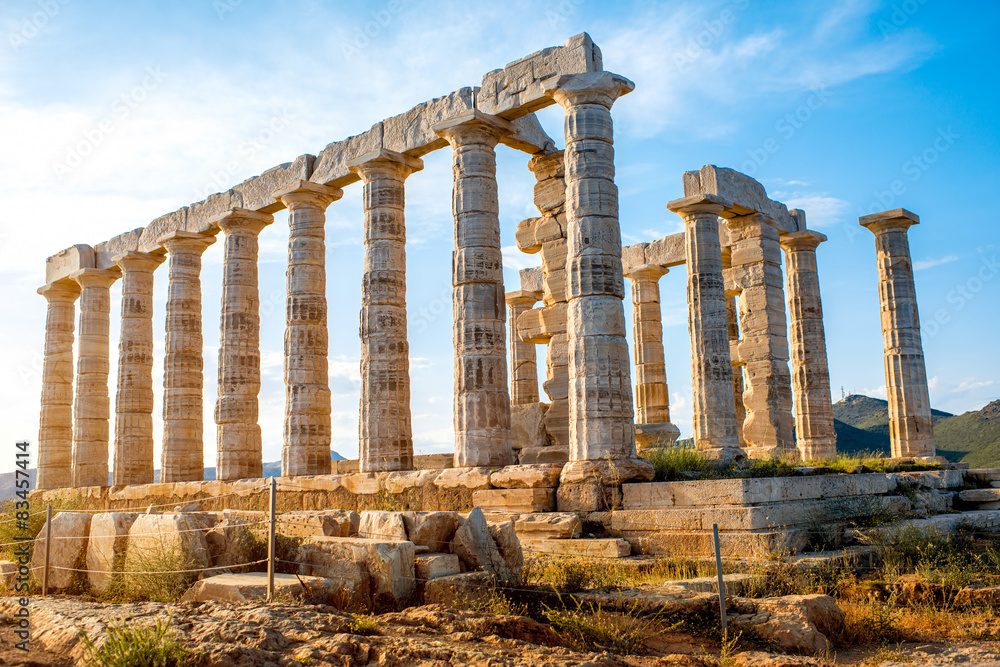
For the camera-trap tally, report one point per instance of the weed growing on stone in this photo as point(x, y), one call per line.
point(364, 624)
point(10, 530)
point(591, 628)
point(130, 646)
point(570, 575)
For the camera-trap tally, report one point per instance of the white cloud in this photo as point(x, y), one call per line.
point(920, 265)
point(971, 384)
point(821, 209)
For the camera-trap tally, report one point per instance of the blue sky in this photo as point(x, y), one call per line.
point(112, 114)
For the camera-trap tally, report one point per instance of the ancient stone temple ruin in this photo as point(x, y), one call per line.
point(760, 379)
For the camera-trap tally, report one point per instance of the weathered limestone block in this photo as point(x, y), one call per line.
point(415, 132)
point(470, 478)
point(331, 166)
point(984, 499)
point(379, 525)
point(474, 544)
point(166, 542)
point(595, 548)
point(798, 623)
point(252, 586)
point(459, 589)
point(385, 423)
point(134, 403)
point(259, 193)
point(550, 525)
point(330, 523)
point(745, 194)
point(106, 547)
point(72, 259)
point(202, 216)
point(593, 486)
point(524, 371)
point(389, 563)
point(350, 576)
point(106, 252)
point(165, 225)
point(236, 411)
point(528, 136)
point(8, 573)
point(515, 500)
point(182, 458)
point(669, 251)
point(55, 424)
point(434, 530)
point(527, 426)
point(68, 550)
point(434, 565)
point(507, 542)
point(527, 476)
point(92, 405)
point(398, 482)
point(911, 428)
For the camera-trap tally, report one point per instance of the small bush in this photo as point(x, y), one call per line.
point(137, 646)
point(670, 462)
point(364, 624)
point(590, 628)
point(494, 601)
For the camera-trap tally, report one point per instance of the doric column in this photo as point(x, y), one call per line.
point(711, 370)
point(733, 321)
point(652, 397)
point(482, 401)
point(524, 371)
point(239, 454)
point(55, 424)
point(183, 457)
point(386, 432)
point(910, 426)
point(92, 407)
point(307, 437)
point(814, 435)
point(763, 347)
point(600, 400)
point(134, 402)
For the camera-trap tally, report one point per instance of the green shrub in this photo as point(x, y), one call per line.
point(670, 462)
point(137, 646)
point(364, 624)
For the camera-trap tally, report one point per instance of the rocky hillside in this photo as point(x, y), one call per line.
point(862, 424)
point(975, 436)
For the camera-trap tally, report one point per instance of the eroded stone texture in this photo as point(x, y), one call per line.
point(482, 402)
point(134, 403)
point(524, 370)
point(733, 322)
point(182, 458)
point(763, 346)
point(910, 427)
point(714, 417)
point(239, 445)
point(307, 436)
point(600, 392)
point(92, 407)
point(386, 435)
point(814, 434)
point(55, 425)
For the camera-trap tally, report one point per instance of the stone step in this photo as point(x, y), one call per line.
point(549, 525)
point(591, 548)
point(735, 544)
point(519, 501)
point(985, 499)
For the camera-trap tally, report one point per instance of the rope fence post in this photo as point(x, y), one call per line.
point(270, 544)
point(48, 548)
point(722, 582)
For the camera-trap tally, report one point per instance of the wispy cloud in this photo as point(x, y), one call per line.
point(821, 209)
point(971, 384)
point(922, 264)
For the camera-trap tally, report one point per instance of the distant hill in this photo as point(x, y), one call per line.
point(973, 435)
point(862, 424)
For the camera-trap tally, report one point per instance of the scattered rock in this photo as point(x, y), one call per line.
point(431, 529)
point(796, 622)
point(70, 531)
point(551, 525)
point(253, 586)
point(106, 546)
point(379, 525)
point(474, 544)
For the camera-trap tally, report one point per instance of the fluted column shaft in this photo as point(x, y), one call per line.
point(600, 399)
point(714, 417)
point(733, 321)
point(482, 400)
point(385, 429)
point(814, 434)
point(55, 424)
point(240, 453)
point(911, 428)
point(92, 407)
point(183, 457)
point(652, 398)
point(524, 368)
point(307, 436)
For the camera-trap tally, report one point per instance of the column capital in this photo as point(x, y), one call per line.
point(384, 159)
point(96, 277)
point(60, 290)
point(807, 239)
point(646, 272)
point(180, 242)
point(601, 88)
point(242, 219)
point(143, 262)
point(307, 193)
point(699, 204)
point(526, 298)
point(473, 127)
point(898, 219)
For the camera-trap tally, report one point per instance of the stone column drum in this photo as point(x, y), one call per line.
point(239, 454)
point(92, 408)
point(482, 401)
point(55, 424)
point(763, 346)
point(733, 320)
point(134, 403)
point(714, 417)
point(524, 368)
point(385, 429)
point(652, 396)
point(307, 436)
point(183, 457)
point(910, 426)
point(814, 434)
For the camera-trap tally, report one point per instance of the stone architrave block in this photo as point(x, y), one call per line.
point(529, 136)
point(516, 500)
point(549, 525)
point(411, 132)
point(330, 167)
point(107, 546)
point(389, 563)
point(527, 476)
point(256, 192)
point(106, 252)
point(166, 542)
point(746, 194)
point(149, 240)
point(379, 525)
point(65, 262)
point(200, 215)
point(669, 251)
point(434, 530)
point(69, 547)
point(633, 256)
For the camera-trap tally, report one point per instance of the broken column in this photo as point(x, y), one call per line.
point(652, 397)
point(240, 453)
point(92, 407)
point(386, 433)
point(910, 427)
point(524, 369)
point(763, 346)
point(814, 434)
point(482, 401)
point(55, 424)
point(134, 402)
point(183, 458)
point(307, 427)
point(714, 418)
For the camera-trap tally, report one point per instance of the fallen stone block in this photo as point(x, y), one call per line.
point(330, 523)
point(474, 544)
point(984, 499)
point(70, 531)
point(389, 563)
point(433, 565)
point(796, 622)
point(166, 542)
point(544, 476)
point(549, 525)
point(250, 586)
point(527, 428)
point(8, 572)
point(593, 548)
point(106, 547)
point(379, 525)
point(507, 542)
point(515, 500)
point(431, 529)
point(460, 589)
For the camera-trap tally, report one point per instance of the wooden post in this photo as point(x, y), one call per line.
point(48, 548)
point(722, 583)
point(270, 545)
